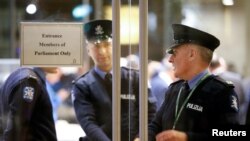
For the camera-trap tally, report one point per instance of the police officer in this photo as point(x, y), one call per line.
point(92, 97)
point(199, 101)
point(25, 108)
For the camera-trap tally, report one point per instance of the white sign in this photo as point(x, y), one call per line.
point(51, 44)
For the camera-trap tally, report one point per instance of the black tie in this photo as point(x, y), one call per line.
point(185, 87)
point(183, 94)
point(108, 82)
point(182, 121)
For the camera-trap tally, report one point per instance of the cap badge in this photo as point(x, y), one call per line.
point(28, 93)
point(99, 30)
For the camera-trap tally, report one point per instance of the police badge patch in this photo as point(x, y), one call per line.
point(234, 103)
point(28, 94)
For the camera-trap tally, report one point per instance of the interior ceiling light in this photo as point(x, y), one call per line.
point(31, 9)
point(228, 2)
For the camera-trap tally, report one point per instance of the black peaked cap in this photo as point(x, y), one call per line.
point(98, 30)
point(184, 34)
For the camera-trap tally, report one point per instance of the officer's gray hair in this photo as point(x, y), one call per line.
point(206, 54)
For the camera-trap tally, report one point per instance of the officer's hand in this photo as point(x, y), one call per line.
point(171, 135)
point(136, 139)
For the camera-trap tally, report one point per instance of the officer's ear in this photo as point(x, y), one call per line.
point(193, 51)
point(87, 48)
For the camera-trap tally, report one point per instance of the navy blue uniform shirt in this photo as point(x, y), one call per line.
point(93, 106)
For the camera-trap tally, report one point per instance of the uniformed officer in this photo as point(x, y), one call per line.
point(25, 107)
point(199, 101)
point(92, 97)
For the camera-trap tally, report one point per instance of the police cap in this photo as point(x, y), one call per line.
point(184, 34)
point(98, 30)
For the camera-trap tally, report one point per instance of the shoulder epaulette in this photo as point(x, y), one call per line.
point(79, 77)
point(223, 81)
point(27, 73)
point(33, 76)
point(178, 81)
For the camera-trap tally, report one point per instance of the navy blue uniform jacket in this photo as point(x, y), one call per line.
point(25, 108)
point(93, 106)
point(212, 105)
